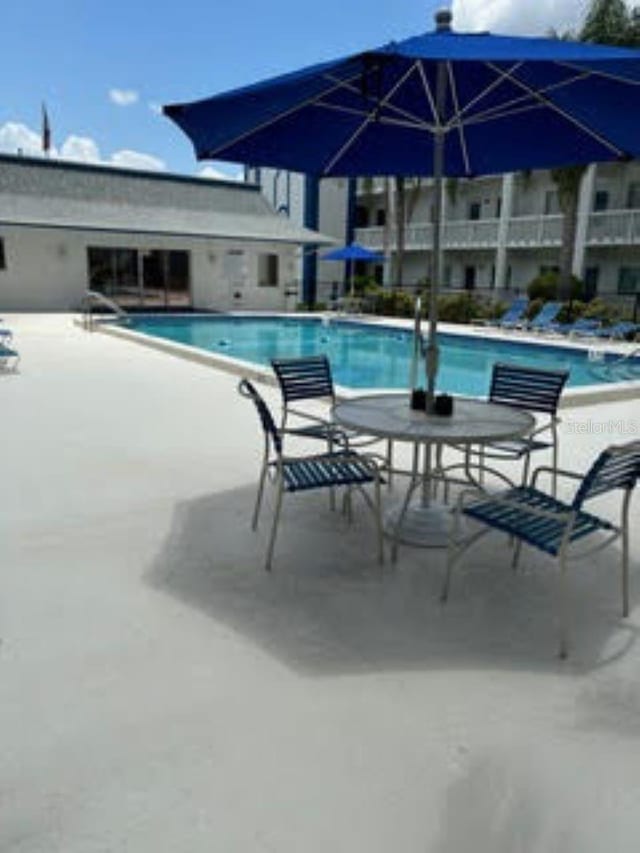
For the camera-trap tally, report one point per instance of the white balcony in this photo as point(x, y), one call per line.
point(609, 228)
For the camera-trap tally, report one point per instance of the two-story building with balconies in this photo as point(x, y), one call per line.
point(500, 232)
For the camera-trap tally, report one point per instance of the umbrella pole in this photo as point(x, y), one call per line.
point(438, 175)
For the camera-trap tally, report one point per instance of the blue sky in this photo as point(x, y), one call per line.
point(103, 69)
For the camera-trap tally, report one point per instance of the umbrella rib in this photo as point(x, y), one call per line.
point(594, 72)
point(460, 126)
point(502, 76)
point(568, 117)
point(412, 117)
point(368, 120)
point(394, 122)
point(429, 94)
point(274, 119)
point(504, 109)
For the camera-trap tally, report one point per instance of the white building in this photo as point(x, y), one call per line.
point(288, 193)
point(500, 232)
point(145, 239)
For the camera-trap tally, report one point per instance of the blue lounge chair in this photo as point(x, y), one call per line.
point(550, 525)
point(545, 318)
point(582, 327)
point(513, 315)
point(619, 331)
point(343, 468)
point(9, 358)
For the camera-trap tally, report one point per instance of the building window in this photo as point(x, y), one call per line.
point(551, 203)
point(600, 201)
point(633, 196)
point(3, 260)
point(591, 275)
point(498, 207)
point(474, 210)
point(628, 280)
point(362, 216)
point(381, 217)
point(267, 270)
point(154, 277)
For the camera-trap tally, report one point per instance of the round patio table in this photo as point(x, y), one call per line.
point(390, 416)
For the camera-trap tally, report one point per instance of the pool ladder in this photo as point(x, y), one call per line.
point(93, 298)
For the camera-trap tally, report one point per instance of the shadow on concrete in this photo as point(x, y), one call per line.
point(328, 609)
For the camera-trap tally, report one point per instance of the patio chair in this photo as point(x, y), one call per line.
point(343, 468)
point(624, 330)
point(310, 378)
point(521, 387)
point(513, 315)
point(9, 358)
point(545, 318)
point(582, 327)
point(550, 525)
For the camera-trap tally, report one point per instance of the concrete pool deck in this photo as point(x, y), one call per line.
point(160, 692)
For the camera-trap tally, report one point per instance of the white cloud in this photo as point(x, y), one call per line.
point(123, 97)
point(18, 138)
point(137, 160)
point(218, 174)
point(80, 148)
point(155, 107)
point(517, 17)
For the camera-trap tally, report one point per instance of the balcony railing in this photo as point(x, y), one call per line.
point(609, 228)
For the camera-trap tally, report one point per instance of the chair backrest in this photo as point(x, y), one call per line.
point(546, 314)
point(515, 310)
point(617, 467)
point(527, 387)
point(303, 378)
point(248, 390)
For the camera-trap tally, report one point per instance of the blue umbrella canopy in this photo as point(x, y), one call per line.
point(506, 103)
point(441, 104)
point(352, 252)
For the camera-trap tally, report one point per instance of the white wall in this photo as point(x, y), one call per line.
point(46, 269)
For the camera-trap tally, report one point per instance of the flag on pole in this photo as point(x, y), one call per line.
point(46, 131)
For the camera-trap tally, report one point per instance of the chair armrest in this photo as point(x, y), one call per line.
point(559, 472)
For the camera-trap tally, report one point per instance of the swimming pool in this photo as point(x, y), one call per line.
point(364, 355)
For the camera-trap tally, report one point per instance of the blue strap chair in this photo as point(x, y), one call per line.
point(521, 387)
point(343, 468)
point(308, 378)
point(535, 390)
point(553, 526)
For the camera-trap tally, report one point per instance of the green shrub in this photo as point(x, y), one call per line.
point(547, 287)
point(458, 307)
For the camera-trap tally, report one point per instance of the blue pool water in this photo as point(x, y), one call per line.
point(367, 356)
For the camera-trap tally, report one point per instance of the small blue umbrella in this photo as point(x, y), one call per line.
point(441, 104)
point(353, 252)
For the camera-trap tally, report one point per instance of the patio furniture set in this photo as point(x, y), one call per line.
point(504, 427)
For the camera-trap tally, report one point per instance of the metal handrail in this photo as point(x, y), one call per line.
point(89, 299)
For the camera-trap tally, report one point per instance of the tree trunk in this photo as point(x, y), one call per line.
point(400, 211)
point(567, 250)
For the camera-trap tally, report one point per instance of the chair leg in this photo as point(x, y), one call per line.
point(274, 526)
point(554, 456)
point(563, 649)
point(378, 515)
point(516, 555)
point(390, 463)
point(625, 553)
point(258, 504)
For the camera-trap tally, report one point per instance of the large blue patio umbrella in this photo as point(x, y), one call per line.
point(353, 252)
point(441, 104)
